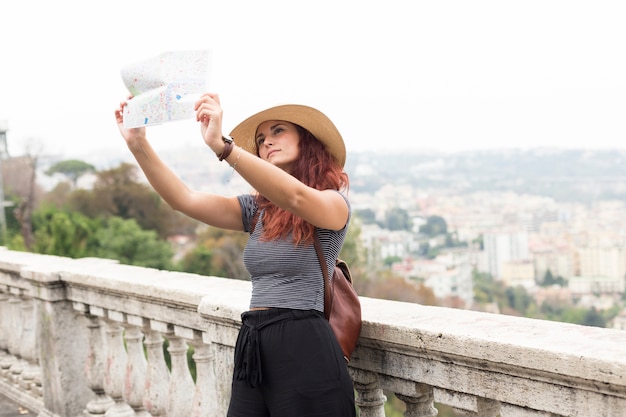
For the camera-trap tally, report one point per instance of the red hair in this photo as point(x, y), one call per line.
point(316, 168)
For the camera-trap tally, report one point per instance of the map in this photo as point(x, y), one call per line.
point(165, 87)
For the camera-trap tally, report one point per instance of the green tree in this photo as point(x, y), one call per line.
point(118, 192)
point(198, 261)
point(518, 299)
point(390, 260)
point(62, 233)
point(388, 286)
point(218, 252)
point(435, 226)
point(397, 219)
point(550, 280)
point(72, 169)
point(432, 252)
point(367, 216)
point(593, 318)
point(353, 251)
point(59, 195)
point(124, 240)
point(452, 240)
point(566, 313)
point(68, 233)
point(486, 290)
point(12, 224)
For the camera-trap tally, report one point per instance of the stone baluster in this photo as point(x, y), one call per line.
point(135, 379)
point(6, 334)
point(421, 404)
point(181, 389)
point(63, 348)
point(29, 340)
point(37, 387)
point(94, 368)
point(28, 348)
point(4, 322)
point(29, 378)
point(15, 342)
point(15, 326)
point(484, 408)
point(370, 398)
point(157, 375)
point(205, 402)
point(114, 371)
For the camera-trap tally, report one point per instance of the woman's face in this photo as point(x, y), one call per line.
point(278, 143)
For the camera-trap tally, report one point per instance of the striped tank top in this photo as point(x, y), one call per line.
point(284, 275)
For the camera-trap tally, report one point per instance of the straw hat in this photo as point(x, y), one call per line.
point(309, 118)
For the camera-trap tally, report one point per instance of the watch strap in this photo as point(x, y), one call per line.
point(229, 145)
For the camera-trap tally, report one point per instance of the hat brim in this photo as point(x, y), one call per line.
point(309, 118)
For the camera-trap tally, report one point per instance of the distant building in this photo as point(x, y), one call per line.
point(560, 263)
point(411, 268)
point(602, 261)
point(551, 294)
point(596, 285)
point(598, 302)
point(534, 220)
point(382, 243)
point(518, 273)
point(455, 282)
point(448, 275)
point(505, 246)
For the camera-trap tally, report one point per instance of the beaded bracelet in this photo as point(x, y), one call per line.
point(234, 165)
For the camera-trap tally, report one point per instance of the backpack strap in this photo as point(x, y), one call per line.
point(328, 298)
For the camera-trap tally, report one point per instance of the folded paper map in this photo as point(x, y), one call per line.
point(165, 87)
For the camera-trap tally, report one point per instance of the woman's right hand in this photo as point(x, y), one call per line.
point(130, 135)
point(209, 114)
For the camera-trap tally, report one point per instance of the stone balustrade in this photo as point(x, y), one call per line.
point(90, 337)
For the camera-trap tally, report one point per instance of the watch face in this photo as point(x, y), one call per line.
point(227, 139)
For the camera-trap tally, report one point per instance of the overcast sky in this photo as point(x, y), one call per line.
point(448, 75)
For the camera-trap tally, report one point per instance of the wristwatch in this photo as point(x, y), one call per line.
point(229, 144)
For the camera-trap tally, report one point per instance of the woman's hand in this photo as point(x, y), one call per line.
point(209, 114)
point(133, 135)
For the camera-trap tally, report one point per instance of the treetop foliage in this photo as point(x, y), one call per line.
point(72, 169)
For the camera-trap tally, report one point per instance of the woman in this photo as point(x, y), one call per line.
point(287, 360)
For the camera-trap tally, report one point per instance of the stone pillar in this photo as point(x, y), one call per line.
point(29, 340)
point(15, 325)
point(63, 348)
point(114, 372)
point(484, 408)
point(420, 405)
point(370, 398)
point(135, 375)
point(181, 390)
point(28, 349)
point(4, 321)
point(16, 340)
point(157, 375)
point(94, 368)
point(205, 402)
point(6, 329)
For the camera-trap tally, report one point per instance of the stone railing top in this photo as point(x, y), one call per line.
point(485, 340)
point(551, 347)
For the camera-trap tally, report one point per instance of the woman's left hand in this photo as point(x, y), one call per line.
point(131, 135)
point(209, 114)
